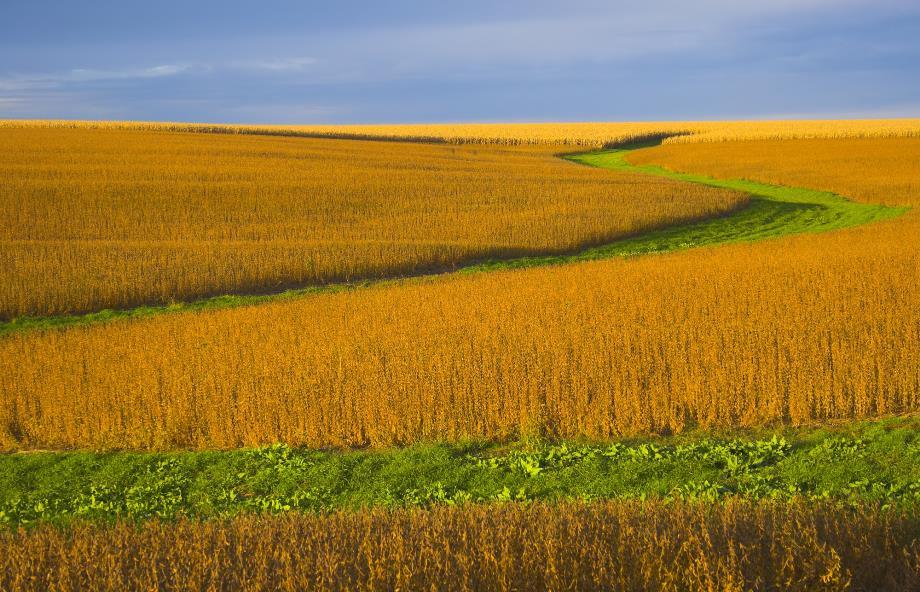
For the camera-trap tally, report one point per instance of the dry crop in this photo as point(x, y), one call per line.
point(598, 546)
point(883, 171)
point(799, 330)
point(93, 219)
point(588, 134)
point(806, 329)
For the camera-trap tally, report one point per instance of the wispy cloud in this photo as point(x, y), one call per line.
point(34, 82)
point(90, 75)
point(290, 64)
point(61, 92)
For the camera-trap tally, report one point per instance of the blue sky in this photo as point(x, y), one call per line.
point(426, 61)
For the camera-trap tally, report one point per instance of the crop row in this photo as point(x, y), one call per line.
point(623, 545)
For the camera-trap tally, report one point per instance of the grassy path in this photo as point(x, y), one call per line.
point(876, 461)
point(773, 211)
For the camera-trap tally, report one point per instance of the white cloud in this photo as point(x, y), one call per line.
point(90, 75)
point(53, 93)
point(38, 82)
point(23, 84)
point(276, 64)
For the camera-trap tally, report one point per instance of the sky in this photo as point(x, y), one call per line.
point(413, 61)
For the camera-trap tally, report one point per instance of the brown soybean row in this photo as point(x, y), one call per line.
point(622, 545)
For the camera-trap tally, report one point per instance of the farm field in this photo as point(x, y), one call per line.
point(96, 219)
point(768, 211)
point(868, 170)
point(698, 356)
point(601, 349)
point(812, 327)
point(589, 135)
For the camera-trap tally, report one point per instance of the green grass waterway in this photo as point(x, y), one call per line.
point(772, 212)
point(863, 462)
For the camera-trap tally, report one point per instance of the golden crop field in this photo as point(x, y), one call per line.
point(800, 330)
point(599, 134)
point(806, 329)
point(113, 218)
point(883, 171)
point(587, 134)
point(622, 545)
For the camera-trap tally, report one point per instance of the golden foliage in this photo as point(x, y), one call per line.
point(623, 545)
point(883, 171)
point(723, 131)
point(801, 330)
point(589, 134)
point(95, 219)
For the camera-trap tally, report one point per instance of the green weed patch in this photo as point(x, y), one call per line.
point(876, 462)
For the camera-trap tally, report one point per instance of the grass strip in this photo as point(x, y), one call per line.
point(873, 461)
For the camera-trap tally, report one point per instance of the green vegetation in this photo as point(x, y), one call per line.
point(872, 461)
point(216, 302)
